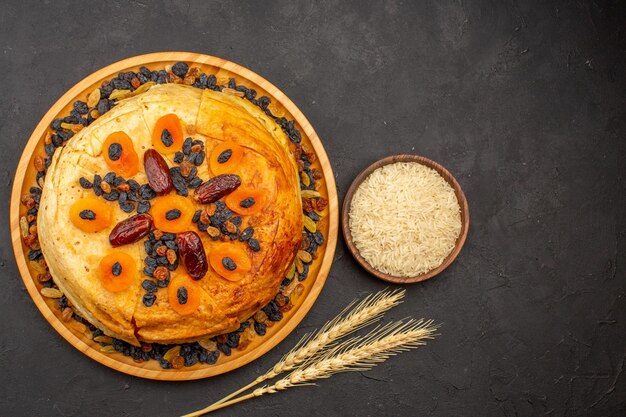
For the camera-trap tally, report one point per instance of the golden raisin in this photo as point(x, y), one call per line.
point(161, 250)
point(67, 313)
point(178, 362)
point(161, 273)
point(39, 163)
point(171, 256)
point(158, 234)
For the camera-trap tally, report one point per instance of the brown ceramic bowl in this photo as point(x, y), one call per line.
point(459, 195)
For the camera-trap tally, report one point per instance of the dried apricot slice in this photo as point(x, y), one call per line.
point(225, 157)
point(91, 214)
point(118, 271)
point(119, 153)
point(183, 294)
point(246, 200)
point(167, 136)
point(230, 261)
point(172, 213)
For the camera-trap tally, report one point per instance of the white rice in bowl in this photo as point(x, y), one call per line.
point(405, 219)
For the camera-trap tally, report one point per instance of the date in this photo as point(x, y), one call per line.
point(130, 230)
point(216, 188)
point(192, 254)
point(158, 172)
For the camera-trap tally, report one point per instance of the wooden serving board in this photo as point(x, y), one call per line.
point(280, 106)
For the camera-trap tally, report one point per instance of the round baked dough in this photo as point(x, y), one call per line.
point(212, 117)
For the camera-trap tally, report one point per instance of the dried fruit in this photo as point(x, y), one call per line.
point(102, 214)
point(161, 273)
point(67, 314)
point(51, 293)
point(171, 256)
point(216, 188)
point(131, 230)
point(103, 339)
point(225, 157)
point(233, 92)
point(185, 168)
point(171, 124)
point(172, 222)
point(213, 231)
point(306, 180)
point(309, 224)
point(247, 200)
point(171, 353)
point(230, 227)
point(117, 271)
point(107, 349)
point(192, 254)
point(192, 302)
point(221, 257)
point(178, 362)
point(310, 194)
point(40, 164)
point(119, 94)
point(158, 172)
point(93, 98)
point(24, 226)
point(304, 256)
point(105, 186)
point(208, 344)
point(292, 271)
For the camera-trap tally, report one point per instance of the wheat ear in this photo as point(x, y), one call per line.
point(356, 354)
point(355, 316)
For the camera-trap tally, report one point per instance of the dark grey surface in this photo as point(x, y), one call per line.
point(524, 103)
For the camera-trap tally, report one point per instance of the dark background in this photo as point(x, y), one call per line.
point(524, 103)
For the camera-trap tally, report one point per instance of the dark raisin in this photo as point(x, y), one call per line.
point(196, 216)
point(200, 158)
point(87, 215)
point(126, 206)
point(254, 245)
point(318, 237)
point(247, 203)
point(123, 197)
point(81, 107)
point(103, 106)
point(162, 283)
point(180, 69)
point(149, 285)
point(84, 182)
point(143, 207)
point(187, 146)
point(192, 174)
point(195, 182)
point(120, 84)
point(49, 148)
point(116, 269)
point(142, 78)
point(181, 294)
point(34, 190)
point(110, 177)
point(112, 196)
point(192, 157)
point(172, 214)
point(166, 138)
point(225, 156)
point(178, 157)
point(168, 236)
point(233, 340)
point(118, 181)
point(236, 221)
point(147, 246)
point(313, 216)
point(149, 299)
point(146, 192)
point(229, 263)
point(134, 185)
point(246, 234)
point(259, 328)
point(179, 182)
point(144, 70)
point(56, 124)
point(150, 261)
point(220, 205)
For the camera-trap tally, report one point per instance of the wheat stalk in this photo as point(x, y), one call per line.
point(356, 354)
point(354, 317)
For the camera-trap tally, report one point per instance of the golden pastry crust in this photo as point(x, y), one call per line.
point(212, 117)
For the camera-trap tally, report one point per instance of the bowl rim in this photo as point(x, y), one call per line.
point(458, 191)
